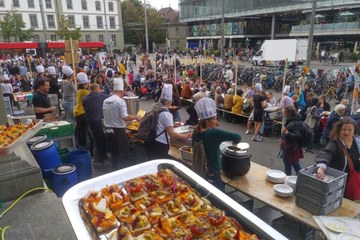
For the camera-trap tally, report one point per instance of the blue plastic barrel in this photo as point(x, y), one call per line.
point(64, 177)
point(35, 139)
point(47, 156)
point(82, 161)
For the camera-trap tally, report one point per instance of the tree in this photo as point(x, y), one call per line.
point(134, 23)
point(65, 31)
point(12, 26)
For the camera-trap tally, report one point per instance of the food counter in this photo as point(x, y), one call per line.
point(78, 193)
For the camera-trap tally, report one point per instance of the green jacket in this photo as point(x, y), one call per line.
point(212, 139)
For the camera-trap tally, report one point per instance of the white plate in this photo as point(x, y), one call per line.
point(283, 190)
point(336, 225)
point(291, 181)
point(275, 176)
point(349, 236)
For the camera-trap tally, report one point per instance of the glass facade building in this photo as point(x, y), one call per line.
point(264, 19)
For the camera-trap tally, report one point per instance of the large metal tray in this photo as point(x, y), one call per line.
point(23, 138)
point(219, 199)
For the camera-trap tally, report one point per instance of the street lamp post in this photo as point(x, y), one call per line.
point(222, 31)
point(146, 30)
point(44, 27)
point(106, 39)
point(311, 34)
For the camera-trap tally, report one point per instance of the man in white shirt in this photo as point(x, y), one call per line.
point(115, 118)
point(229, 75)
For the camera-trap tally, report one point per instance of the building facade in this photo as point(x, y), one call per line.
point(100, 21)
point(176, 32)
point(251, 22)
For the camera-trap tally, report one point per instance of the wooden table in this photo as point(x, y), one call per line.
point(255, 185)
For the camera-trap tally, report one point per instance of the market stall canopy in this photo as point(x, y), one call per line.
point(18, 45)
point(81, 44)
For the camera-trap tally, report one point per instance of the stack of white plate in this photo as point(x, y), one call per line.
point(283, 190)
point(291, 181)
point(275, 176)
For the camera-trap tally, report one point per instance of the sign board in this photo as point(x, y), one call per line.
point(69, 60)
point(75, 44)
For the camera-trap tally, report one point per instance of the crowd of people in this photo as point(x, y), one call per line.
point(97, 106)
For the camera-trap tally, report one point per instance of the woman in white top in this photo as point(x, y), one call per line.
point(7, 90)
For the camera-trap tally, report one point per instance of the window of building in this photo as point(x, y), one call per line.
point(51, 21)
point(15, 3)
point(31, 4)
point(2, 4)
point(53, 37)
point(112, 22)
point(99, 22)
point(33, 21)
point(111, 6)
point(101, 37)
point(113, 39)
point(36, 38)
point(86, 22)
point(83, 4)
point(69, 4)
point(98, 6)
point(87, 38)
point(48, 4)
point(71, 19)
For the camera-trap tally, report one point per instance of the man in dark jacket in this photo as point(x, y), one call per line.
point(93, 112)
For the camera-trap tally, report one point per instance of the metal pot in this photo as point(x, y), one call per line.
point(132, 104)
point(235, 161)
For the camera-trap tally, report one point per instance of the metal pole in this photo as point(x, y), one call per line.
point(146, 30)
point(106, 39)
point(44, 26)
point(311, 34)
point(222, 31)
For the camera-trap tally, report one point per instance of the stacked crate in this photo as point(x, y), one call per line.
point(317, 196)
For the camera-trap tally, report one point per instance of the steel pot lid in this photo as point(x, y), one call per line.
point(41, 145)
point(241, 145)
point(130, 97)
point(232, 150)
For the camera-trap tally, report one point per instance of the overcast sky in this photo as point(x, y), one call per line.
point(163, 3)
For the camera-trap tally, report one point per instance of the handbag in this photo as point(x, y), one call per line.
point(352, 189)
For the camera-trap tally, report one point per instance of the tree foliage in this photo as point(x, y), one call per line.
point(134, 23)
point(66, 32)
point(13, 26)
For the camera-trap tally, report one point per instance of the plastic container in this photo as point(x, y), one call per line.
point(82, 161)
point(58, 131)
point(63, 152)
point(306, 178)
point(47, 156)
point(64, 177)
point(321, 199)
point(316, 208)
point(35, 139)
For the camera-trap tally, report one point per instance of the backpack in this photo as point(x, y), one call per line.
point(304, 130)
point(247, 107)
point(147, 127)
point(199, 161)
point(109, 73)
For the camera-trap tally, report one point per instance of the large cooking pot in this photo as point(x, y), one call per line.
point(132, 104)
point(235, 161)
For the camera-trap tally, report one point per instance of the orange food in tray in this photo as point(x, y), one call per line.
point(158, 206)
point(10, 133)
